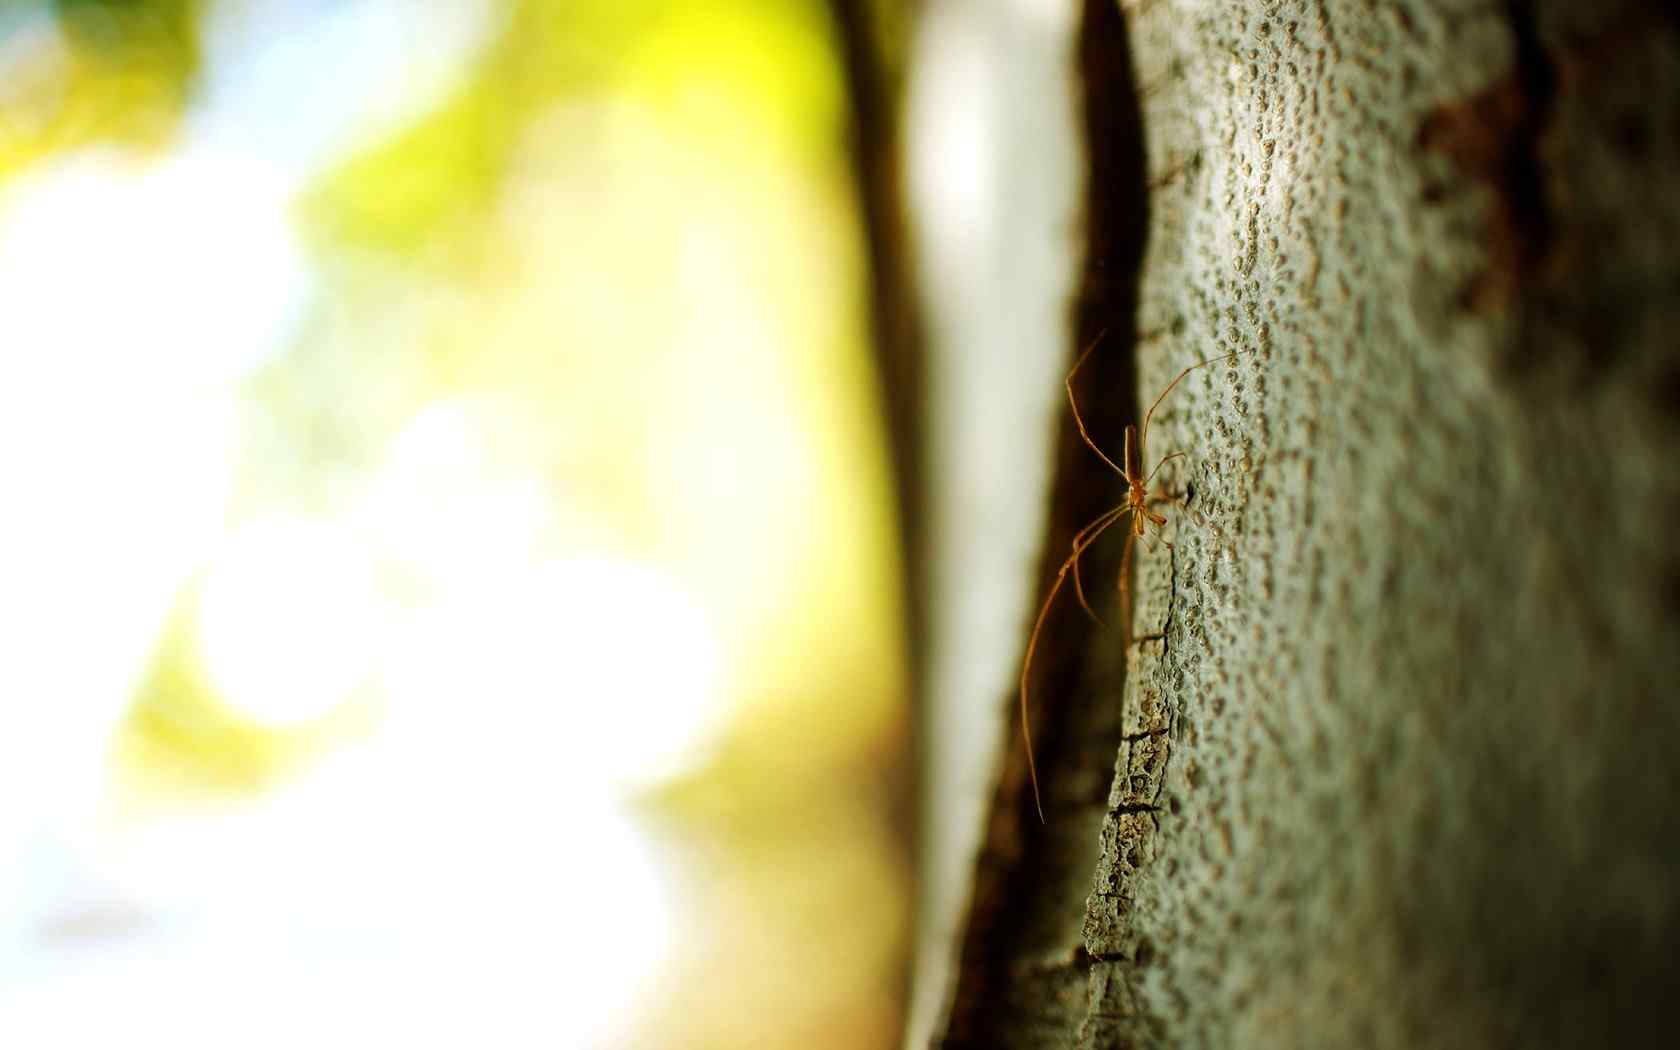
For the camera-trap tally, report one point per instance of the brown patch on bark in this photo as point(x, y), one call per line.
point(1505, 138)
point(1494, 138)
point(1477, 135)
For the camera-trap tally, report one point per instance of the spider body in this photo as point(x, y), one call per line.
point(1136, 505)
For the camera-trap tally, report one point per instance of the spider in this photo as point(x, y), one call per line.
point(1136, 503)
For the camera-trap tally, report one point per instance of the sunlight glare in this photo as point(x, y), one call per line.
point(288, 620)
point(151, 274)
point(129, 291)
point(554, 665)
point(443, 507)
point(372, 902)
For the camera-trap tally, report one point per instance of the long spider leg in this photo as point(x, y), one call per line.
point(1089, 534)
point(1079, 593)
point(1078, 585)
point(1098, 522)
point(1126, 589)
point(1074, 404)
point(1140, 533)
point(1158, 466)
point(1185, 508)
point(1147, 416)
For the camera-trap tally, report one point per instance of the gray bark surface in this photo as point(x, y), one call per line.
point(1401, 769)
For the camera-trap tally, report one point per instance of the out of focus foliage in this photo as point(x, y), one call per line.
point(466, 436)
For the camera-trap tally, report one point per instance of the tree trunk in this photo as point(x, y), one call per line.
point(1400, 768)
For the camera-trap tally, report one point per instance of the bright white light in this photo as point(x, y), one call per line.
point(289, 620)
point(603, 672)
point(1054, 16)
point(140, 276)
point(132, 295)
point(397, 896)
point(952, 157)
point(441, 508)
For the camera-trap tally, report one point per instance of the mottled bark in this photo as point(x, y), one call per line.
point(1400, 770)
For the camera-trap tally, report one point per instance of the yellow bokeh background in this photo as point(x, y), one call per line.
point(454, 580)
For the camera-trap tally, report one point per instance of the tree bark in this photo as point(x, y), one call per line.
point(1399, 769)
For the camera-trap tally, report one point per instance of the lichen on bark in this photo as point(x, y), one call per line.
point(1399, 772)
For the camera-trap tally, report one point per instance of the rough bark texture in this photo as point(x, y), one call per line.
point(1023, 972)
point(1401, 770)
